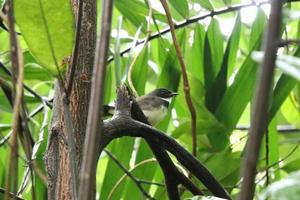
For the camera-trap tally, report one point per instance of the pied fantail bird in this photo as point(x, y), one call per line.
point(154, 105)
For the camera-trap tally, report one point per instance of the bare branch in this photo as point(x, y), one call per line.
point(261, 99)
point(89, 163)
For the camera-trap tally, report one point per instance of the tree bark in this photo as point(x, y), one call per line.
point(57, 158)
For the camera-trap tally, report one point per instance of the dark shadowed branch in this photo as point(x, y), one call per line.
point(263, 86)
point(172, 175)
point(123, 125)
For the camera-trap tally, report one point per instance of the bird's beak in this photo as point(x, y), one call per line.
point(174, 94)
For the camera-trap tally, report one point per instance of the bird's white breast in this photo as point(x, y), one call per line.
point(156, 115)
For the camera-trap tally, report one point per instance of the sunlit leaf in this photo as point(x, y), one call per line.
point(48, 29)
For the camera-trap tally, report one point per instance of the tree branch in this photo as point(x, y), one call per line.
point(172, 175)
point(89, 164)
point(261, 99)
point(123, 125)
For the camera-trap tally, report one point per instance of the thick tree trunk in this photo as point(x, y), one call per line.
point(57, 156)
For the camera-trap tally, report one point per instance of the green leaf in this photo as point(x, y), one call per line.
point(240, 92)
point(170, 74)
point(286, 189)
point(215, 39)
point(219, 86)
point(122, 149)
point(45, 26)
point(257, 27)
point(34, 71)
point(140, 71)
point(195, 59)
point(205, 4)
point(181, 6)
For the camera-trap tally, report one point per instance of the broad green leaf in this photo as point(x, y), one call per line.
point(145, 172)
point(196, 56)
point(256, 29)
point(34, 71)
point(122, 149)
point(48, 29)
point(118, 67)
point(170, 74)
point(283, 87)
point(240, 92)
point(205, 4)
point(206, 122)
point(134, 11)
point(181, 6)
point(274, 148)
point(286, 189)
point(140, 71)
point(215, 39)
point(231, 173)
point(219, 86)
point(291, 112)
point(213, 53)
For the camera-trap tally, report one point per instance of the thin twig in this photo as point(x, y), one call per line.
point(186, 85)
point(128, 173)
point(263, 87)
point(282, 159)
point(31, 91)
point(267, 156)
point(280, 128)
point(18, 75)
point(34, 151)
point(90, 150)
point(287, 42)
point(125, 175)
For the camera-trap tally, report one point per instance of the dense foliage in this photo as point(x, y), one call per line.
point(217, 48)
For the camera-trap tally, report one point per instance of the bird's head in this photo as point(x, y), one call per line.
point(163, 93)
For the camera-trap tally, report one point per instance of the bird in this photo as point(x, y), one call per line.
point(154, 105)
